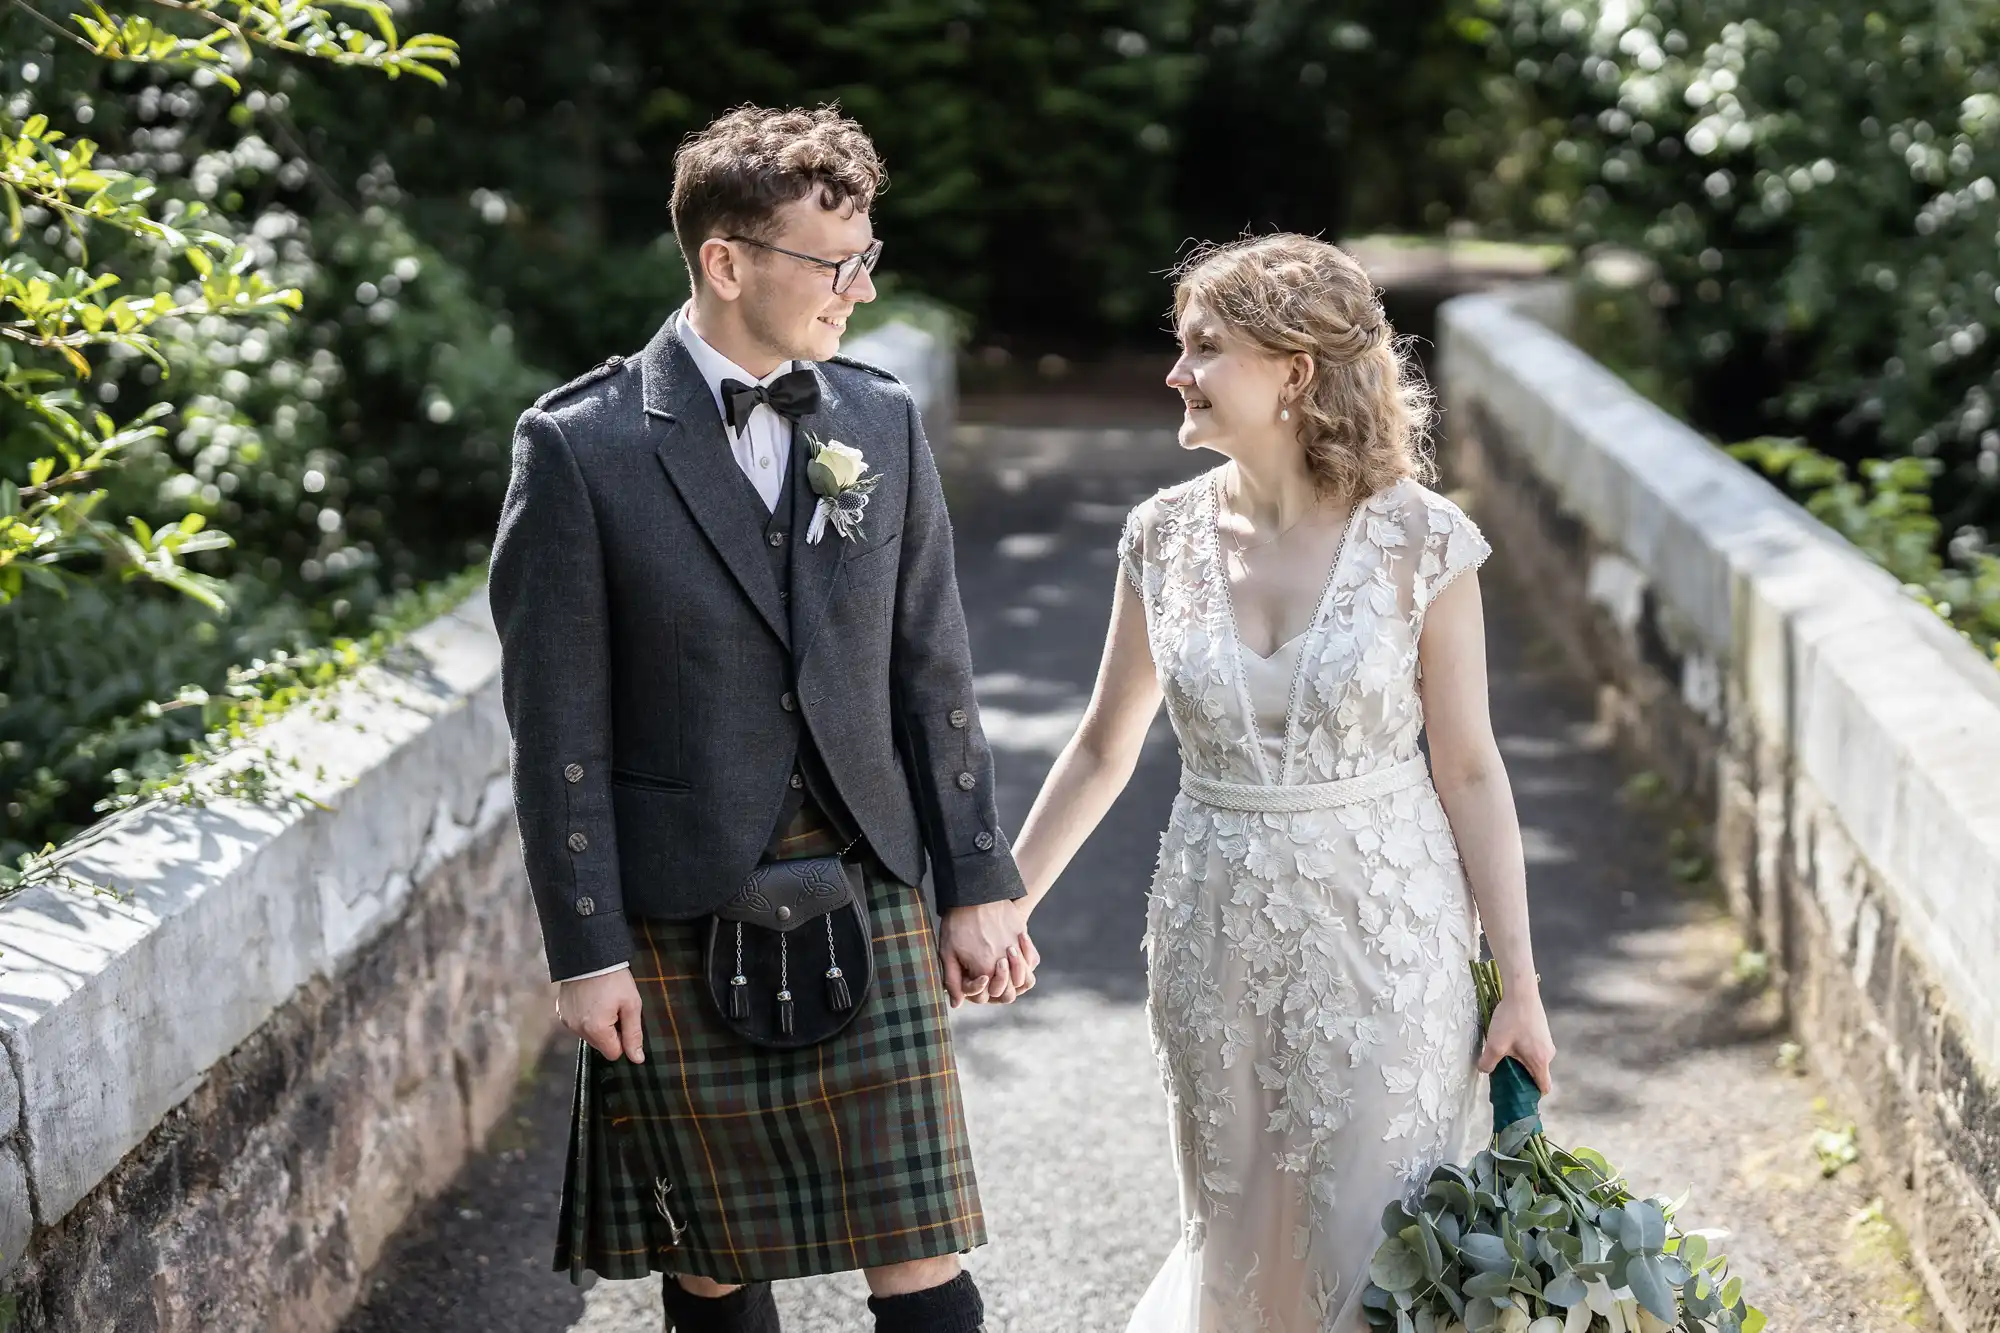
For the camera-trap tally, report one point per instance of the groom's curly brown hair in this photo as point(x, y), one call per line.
point(731, 178)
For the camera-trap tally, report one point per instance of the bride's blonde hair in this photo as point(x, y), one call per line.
point(1366, 411)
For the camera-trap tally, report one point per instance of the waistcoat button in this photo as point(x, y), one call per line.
point(573, 773)
point(965, 782)
point(577, 842)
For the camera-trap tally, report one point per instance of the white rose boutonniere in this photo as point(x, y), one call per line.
point(840, 477)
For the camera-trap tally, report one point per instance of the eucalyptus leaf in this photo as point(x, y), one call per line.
point(1564, 1289)
point(1484, 1251)
point(1645, 1227)
point(1396, 1267)
point(1646, 1276)
point(1449, 1231)
point(1432, 1249)
point(1451, 1194)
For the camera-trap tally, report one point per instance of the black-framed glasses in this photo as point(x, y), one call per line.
point(845, 271)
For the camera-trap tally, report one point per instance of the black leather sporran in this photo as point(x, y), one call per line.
point(790, 958)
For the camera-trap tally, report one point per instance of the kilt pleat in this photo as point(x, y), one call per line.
point(774, 1164)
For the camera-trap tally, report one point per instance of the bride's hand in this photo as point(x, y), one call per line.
point(1520, 1028)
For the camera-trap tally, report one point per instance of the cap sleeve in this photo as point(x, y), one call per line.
point(1452, 545)
point(1130, 554)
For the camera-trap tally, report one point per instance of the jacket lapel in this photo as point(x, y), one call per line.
point(696, 455)
point(813, 567)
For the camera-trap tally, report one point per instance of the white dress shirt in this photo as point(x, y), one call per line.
point(763, 448)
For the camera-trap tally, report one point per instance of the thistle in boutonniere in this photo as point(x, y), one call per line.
point(840, 477)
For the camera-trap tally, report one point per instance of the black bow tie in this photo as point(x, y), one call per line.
point(792, 395)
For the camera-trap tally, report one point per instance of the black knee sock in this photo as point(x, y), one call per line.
point(954, 1307)
point(748, 1309)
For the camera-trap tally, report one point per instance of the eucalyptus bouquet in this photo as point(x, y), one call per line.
point(1535, 1238)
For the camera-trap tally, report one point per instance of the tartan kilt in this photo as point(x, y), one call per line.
point(781, 1164)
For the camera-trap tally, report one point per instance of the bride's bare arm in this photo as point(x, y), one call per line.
point(1098, 761)
point(1472, 782)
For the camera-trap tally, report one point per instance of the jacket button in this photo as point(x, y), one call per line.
point(956, 717)
point(965, 782)
point(797, 782)
point(584, 907)
point(787, 702)
point(983, 841)
point(577, 842)
point(776, 539)
point(784, 913)
point(573, 773)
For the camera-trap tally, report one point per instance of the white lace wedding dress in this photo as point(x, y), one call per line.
point(1309, 924)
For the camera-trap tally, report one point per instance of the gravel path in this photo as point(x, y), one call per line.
point(1667, 1065)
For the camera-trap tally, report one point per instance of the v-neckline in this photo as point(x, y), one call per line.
point(1237, 648)
point(1279, 651)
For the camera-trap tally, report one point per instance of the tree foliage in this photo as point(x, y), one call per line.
point(1815, 184)
point(200, 337)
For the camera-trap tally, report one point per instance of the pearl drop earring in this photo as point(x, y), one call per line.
point(1284, 414)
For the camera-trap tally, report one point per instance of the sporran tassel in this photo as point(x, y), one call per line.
point(785, 1021)
point(739, 985)
point(837, 997)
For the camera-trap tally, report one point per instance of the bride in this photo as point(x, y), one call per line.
point(1306, 609)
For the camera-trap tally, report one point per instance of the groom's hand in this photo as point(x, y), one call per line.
point(986, 953)
point(604, 1011)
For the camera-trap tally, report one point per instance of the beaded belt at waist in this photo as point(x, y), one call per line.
point(1260, 798)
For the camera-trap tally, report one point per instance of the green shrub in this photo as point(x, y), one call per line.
point(349, 454)
point(1887, 513)
point(1815, 184)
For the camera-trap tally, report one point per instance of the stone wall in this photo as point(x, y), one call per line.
point(1843, 739)
point(268, 1032)
point(242, 1041)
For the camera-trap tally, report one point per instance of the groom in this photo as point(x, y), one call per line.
point(701, 678)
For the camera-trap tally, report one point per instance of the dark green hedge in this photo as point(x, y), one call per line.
point(1816, 185)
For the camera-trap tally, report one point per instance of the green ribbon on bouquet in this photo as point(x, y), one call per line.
point(1511, 1088)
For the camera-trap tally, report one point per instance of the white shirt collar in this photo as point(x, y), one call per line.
point(713, 365)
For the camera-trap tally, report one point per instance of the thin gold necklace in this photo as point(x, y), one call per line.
point(1238, 548)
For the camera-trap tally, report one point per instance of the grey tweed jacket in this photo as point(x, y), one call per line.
point(656, 676)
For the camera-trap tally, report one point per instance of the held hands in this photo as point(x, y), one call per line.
point(604, 1011)
point(988, 957)
point(1520, 1028)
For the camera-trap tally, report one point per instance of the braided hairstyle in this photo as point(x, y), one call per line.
point(1366, 412)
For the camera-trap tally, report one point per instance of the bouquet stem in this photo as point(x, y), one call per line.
point(1511, 1087)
